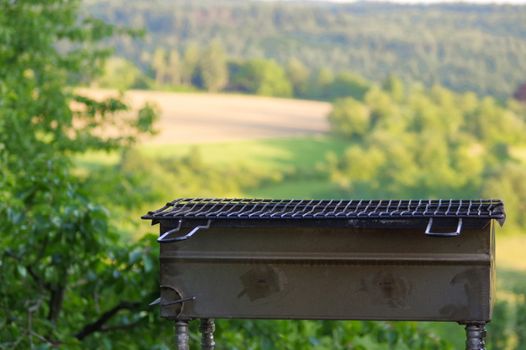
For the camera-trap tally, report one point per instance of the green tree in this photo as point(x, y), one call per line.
point(395, 87)
point(350, 117)
point(298, 75)
point(69, 277)
point(121, 74)
point(347, 84)
point(510, 185)
point(318, 84)
point(160, 66)
point(262, 77)
point(174, 68)
point(190, 62)
point(213, 68)
point(427, 143)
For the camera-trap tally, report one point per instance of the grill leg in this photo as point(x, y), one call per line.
point(207, 334)
point(475, 335)
point(181, 335)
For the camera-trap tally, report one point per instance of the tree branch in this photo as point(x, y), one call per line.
point(121, 326)
point(55, 302)
point(38, 280)
point(98, 325)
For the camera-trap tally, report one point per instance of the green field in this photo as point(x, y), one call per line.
point(300, 152)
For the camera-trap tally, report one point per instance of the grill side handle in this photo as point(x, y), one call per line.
point(443, 234)
point(165, 237)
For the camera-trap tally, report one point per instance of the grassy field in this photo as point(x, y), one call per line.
point(300, 152)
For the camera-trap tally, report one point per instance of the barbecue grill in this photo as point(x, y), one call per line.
point(420, 260)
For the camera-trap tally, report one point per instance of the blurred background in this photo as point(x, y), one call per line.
point(109, 109)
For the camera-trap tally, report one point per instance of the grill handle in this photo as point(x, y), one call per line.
point(164, 238)
point(443, 234)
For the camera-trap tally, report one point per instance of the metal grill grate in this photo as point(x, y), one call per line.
point(208, 208)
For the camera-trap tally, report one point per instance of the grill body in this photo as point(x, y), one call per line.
point(386, 271)
point(419, 260)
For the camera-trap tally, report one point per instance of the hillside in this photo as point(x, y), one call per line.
point(464, 47)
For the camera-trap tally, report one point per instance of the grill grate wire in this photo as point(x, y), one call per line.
point(238, 208)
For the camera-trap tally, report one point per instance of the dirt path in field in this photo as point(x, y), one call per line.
point(199, 117)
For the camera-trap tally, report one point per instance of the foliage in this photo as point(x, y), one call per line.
point(261, 77)
point(326, 335)
point(460, 46)
point(329, 87)
point(208, 69)
point(122, 74)
point(298, 75)
point(350, 118)
point(213, 68)
point(432, 143)
point(159, 65)
point(71, 281)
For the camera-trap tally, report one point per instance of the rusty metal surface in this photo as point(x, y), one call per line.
point(475, 336)
point(207, 329)
point(182, 335)
point(329, 273)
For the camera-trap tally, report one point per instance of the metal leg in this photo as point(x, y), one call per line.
point(181, 335)
point(207, 334)
point(475, 335)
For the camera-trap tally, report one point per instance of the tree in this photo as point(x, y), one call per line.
point(160, 66)
point(262, 77)
point(319, 82)
point(426, 143)
point(350, 117)
point(213, 68)
point(298, 75)
point(395, 87)
point(190, 62)
point(347, 84)
point(121, 74)
point(509, 184)
point(70, 277)
point(174, 68)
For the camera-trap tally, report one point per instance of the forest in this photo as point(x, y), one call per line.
point(479, 48)
point(78, 268)
point(208, 69)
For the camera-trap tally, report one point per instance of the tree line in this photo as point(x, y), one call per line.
point(409, 142)
point(463, 47)
point(210, 69)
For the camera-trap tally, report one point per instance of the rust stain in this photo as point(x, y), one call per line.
point(388, 289)
point(262, 282)
point(470, 281)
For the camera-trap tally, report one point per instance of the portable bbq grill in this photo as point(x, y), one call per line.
point(420, 260)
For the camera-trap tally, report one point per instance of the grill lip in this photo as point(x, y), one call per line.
point(327, 209)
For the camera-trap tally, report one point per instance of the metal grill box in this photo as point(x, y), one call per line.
point(429, 260)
